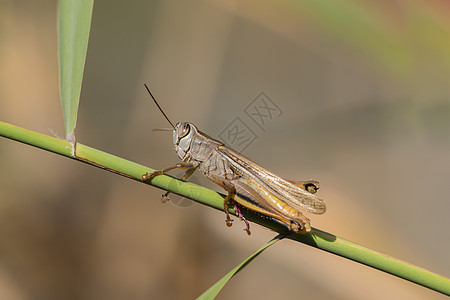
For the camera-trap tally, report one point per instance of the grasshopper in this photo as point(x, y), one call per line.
point(247, 183)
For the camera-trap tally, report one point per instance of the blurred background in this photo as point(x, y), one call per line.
point(363, 90)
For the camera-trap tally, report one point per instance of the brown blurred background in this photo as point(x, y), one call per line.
point(364, 90)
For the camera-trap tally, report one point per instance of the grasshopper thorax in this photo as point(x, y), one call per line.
point(183, 134)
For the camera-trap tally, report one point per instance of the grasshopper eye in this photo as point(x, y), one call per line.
point(184, 130)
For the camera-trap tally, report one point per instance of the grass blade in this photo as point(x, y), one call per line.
point(73, 34)
point(212, 292)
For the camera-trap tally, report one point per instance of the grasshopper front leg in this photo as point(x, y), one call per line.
point(191, 167)
point(180, 165)
point(185, 177)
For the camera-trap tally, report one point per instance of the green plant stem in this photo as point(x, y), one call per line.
point(369, 257)
point(316, 238)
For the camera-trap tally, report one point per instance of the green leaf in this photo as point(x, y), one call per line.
point(74, 26)
point(212, 292)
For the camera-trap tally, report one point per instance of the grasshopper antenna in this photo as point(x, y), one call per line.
point(148, 90)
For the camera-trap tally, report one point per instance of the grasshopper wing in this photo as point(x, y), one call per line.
point(269, 185)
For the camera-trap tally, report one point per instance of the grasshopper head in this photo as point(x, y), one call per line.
point(183, 134)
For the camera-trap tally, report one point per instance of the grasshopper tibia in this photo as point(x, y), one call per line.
point(181, 165)
point(231, 193)
point(239, 214)
point(191, 167)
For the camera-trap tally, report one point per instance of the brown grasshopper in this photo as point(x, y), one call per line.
point(247, 183)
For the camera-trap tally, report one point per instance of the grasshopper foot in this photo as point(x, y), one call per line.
point(229, 222)
point(148, 176)
point(165, 198)
point(300, 228)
